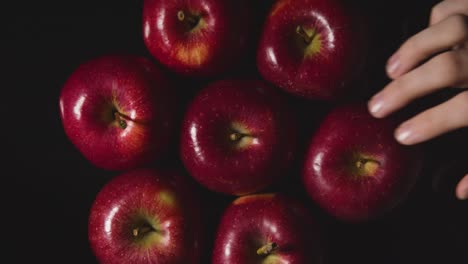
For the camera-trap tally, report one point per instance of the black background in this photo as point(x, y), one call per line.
point(49, 187)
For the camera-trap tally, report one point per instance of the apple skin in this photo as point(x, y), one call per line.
point(323, 69)
point(355, 169)
point(254, 221)
point(242, 166)
point(129, 87)
point(163, 201)
point(216, 44)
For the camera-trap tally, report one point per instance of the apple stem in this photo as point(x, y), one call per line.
point(141, 231)
point(267, 249)
point(120, 120)
point(190, 19)
point(301, 32)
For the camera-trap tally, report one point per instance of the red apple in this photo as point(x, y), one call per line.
point(117, 110)
point(267, 229)
point(238, 136)
point(312, 48)
point(355, 169)
point(197, 37)
point(146, 216)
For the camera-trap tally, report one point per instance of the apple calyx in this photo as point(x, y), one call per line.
point(241, 140)
point(142, 231)
point(237, 136)
point(121, 119)
point(189, 19)
point(240, 137)
point(308, 39)
point(367, 167)
point(305, 36)
point(267, 249)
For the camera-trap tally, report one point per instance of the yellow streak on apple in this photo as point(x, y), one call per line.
point(272, 259)
point(166, 198)
point(193, 56)
point(279, 5)
point(244, 199)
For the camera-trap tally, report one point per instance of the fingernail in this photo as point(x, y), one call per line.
point(404, 134)
point(393, 64)
point(376, 105)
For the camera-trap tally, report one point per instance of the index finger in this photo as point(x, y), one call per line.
point(448, 8)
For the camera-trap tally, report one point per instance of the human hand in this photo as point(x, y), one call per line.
point(433, 59)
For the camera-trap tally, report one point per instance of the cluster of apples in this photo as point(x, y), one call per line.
point(238, 136)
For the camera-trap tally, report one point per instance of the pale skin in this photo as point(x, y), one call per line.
point(433, 59)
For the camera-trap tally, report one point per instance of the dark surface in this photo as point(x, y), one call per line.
point(49, 186)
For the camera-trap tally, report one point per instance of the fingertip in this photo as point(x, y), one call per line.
point(403, 136)
point(462, 189)
point(374, 110)
point(406, 135)
point(393, 66)
point(375, 106)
